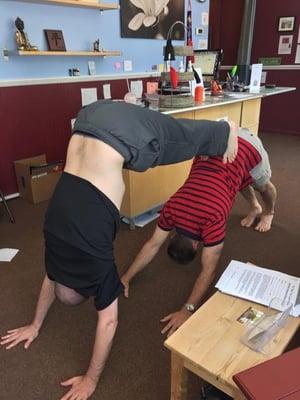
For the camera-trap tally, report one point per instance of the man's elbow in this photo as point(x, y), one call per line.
point(109, 324)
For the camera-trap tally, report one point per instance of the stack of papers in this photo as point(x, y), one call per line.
point(261, 285)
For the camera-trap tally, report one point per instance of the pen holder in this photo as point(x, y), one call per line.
point(260, 334)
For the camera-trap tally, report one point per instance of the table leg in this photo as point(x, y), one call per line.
point(178, 378)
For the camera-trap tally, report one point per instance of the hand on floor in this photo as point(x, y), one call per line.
point(174, 321)
point(82, 388)
point(25, 334)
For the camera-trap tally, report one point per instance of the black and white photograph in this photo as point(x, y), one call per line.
point(150, 19)
point(286, 24)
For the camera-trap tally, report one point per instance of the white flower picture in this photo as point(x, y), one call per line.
point(150, 18)
point(150, 13)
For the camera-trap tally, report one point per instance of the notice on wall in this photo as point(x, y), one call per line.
point(285, 44)
point(106, 91)
point(297, 59)
point(203, 44)
point(88, 96)
point(204, 19)
point(136, 87)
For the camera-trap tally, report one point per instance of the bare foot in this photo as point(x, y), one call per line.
point(232, 144)
point(250, 218)
point(265, 223)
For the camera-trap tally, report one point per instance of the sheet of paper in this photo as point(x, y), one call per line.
point(203, 44)
point(117, 65)
point(152, 87)
point(88, 96)
point(92, 67)
point(285, 44)
point(7, 254)
point(106, 91)
point(127, 65)
point(204, 18)
point(238, 95)
point(136, 87)
point(258, 284)
point(255, 79)
point(297, 58)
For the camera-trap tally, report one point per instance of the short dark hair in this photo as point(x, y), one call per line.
point(181, 249)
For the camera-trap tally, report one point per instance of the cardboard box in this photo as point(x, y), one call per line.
point(36, 178)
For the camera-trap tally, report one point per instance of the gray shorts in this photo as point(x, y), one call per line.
point(147, 138)
point(261, 174)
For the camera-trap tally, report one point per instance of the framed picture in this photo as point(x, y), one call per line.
point(139, 19)
point(55, 40)
point(286, 24)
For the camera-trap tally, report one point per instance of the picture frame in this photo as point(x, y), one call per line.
point(139, 20)
point(55, 40)
point(286, 24)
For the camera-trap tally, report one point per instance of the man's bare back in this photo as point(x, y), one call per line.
point(91, 159)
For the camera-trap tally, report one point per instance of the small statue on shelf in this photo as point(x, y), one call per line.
point(96, 45)
point(22, 38)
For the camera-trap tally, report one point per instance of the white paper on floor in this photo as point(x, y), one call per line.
point(7, 254)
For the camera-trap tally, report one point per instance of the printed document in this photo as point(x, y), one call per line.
point(260, 285)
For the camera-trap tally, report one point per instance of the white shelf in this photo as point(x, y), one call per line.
point(70, 53)
point(77, 3)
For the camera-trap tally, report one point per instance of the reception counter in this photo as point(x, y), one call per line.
point(146, 191)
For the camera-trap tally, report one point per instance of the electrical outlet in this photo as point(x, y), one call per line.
point(198, 31)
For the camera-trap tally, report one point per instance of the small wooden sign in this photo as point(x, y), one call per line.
point(55, 40)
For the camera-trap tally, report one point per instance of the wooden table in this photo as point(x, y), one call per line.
point(208, 344)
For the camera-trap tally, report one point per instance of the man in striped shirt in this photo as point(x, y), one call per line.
point(199, 210)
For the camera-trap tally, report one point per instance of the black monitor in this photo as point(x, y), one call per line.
point(209, 61)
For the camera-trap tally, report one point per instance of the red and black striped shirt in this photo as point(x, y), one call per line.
point(200, 208)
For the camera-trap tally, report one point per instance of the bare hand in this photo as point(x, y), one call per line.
point(175, 320)
point(25, 334)
point(126, 286)
point(82, 388)
point(232, 144)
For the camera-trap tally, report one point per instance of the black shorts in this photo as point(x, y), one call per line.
point(80, 226)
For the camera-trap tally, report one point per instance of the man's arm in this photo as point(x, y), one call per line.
point(144, 257)
point(209, 260)
point(30, 332)
point(84, 386)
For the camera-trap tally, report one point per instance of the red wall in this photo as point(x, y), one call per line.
point(225, 18)
point(279, 113)
point(37, 120)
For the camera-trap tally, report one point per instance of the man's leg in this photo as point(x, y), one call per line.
point(268, 194)
point(255, 208)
